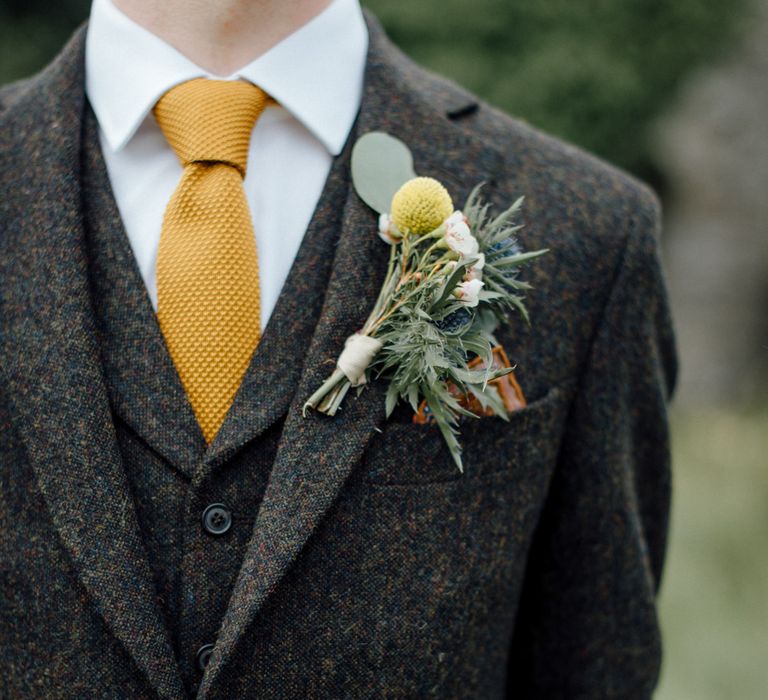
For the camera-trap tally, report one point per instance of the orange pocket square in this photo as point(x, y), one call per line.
point(507, 386)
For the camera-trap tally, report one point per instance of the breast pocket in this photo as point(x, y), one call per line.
point(409, 453)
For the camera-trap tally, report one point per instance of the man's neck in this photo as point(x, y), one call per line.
point(224, 35)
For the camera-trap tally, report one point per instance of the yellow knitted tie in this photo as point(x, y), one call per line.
point(207, 265)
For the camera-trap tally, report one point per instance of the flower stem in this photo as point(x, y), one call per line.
point(387, 281)
point(437, 244)
point(318, 399)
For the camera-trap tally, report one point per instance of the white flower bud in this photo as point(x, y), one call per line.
point(475, 270)
point(468, 293)
point(388, 232)
point(458, 237)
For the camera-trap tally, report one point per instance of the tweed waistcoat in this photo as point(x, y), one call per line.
point(160, 442)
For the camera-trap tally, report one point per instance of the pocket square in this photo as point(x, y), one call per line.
point(507, 386)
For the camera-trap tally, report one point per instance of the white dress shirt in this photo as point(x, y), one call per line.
point(316, 76)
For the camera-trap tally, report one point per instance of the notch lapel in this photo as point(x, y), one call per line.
point(50, 359)
point(317, 453)
point(270, 383)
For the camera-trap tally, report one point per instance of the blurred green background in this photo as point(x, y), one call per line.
point(595, 72)
point(673, 91)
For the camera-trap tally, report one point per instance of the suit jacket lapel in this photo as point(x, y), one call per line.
point(270, 383)
point(317, 453)
point(49, 356)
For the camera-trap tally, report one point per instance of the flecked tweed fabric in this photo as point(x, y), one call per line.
point(193, 571)
point(207, 264)
point(372, 568)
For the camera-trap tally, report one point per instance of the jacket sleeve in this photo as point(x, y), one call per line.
point(587, 625)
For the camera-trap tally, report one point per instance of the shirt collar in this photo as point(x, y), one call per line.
point(316, 73)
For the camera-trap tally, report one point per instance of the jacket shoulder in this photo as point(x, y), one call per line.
point(62, 74)
point(578, 185)
point(11, 91)
point(552, 172)
point(593, 217)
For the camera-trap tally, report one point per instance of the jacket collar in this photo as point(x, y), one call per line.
point(317, 453)
point(50, 357)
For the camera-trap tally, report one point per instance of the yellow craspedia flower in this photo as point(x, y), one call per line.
point(421, 205)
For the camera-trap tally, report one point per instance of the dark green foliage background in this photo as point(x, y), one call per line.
point(595, 72)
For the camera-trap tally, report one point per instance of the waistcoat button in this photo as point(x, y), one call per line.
point(203, 656)
point(217, 519)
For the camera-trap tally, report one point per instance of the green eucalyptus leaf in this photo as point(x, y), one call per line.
point(381, 164)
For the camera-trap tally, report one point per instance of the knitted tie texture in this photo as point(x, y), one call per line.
point(208, 304)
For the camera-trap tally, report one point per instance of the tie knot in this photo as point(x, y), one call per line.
point(210, 120)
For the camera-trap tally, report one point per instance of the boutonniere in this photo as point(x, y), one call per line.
point(452, 279)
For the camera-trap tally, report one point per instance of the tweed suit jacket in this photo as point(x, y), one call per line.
point(373, 568)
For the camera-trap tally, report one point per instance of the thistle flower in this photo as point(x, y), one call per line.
point(421, 205)
point(455, 322)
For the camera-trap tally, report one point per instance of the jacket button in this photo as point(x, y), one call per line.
point(217, 519)
point(203, 656)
